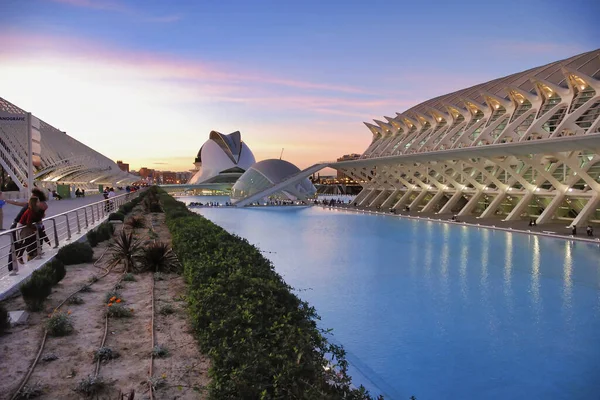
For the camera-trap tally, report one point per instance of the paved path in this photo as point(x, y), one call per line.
point(558, 229)
point(54, 207)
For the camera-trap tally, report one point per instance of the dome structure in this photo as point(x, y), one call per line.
point(222, 159)
point(267, 173)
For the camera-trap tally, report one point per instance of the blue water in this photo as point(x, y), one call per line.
point(440, 311)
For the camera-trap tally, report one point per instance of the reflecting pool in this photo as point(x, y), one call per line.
point(440, 311)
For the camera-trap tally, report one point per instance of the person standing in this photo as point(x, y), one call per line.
point(28, 224)
point(111, 194)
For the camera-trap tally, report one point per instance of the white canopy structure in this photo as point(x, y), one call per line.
point(61, 159)
point(522, 146)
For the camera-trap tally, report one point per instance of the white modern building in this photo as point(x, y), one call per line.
point(523, 146)
point(222, 159)
point(267, 173)
point(56, 158)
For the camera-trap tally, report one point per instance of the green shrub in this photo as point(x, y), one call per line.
point(59, 324)
point(129, 277)
point(92, 238)
point(263, 340)
point(116, 216)
point(90, 386)
point(56, 269)
point(112, 295)
point(160, 351)
point(105, 231)
point(75, 300)
point(36, 289)
point(4, 320)
point(105, 354)
point(76, 253)
point(117, 310)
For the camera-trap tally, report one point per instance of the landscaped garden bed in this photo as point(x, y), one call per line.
point(101, 340)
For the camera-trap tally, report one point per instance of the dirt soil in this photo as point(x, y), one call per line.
point(182, 374)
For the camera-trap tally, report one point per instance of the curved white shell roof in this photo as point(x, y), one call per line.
point(222, 154)
point(267, 173)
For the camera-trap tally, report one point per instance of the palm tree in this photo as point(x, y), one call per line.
point(159, 257)
point(126, 249)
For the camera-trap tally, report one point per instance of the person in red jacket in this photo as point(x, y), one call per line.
point(28, 224)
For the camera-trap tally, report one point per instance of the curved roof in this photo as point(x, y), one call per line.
point(62, 158)
point(231, 145)
point(527, 105)
point(275, 170)
point(267, 173)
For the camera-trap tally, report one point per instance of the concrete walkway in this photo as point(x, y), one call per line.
point(9, 283)
point(54, 207)
point(558, 230)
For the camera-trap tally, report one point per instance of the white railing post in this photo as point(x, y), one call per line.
point(13, 250)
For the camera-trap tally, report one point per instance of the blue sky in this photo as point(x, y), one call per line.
point(299, 75)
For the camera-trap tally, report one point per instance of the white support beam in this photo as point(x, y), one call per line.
point(516, 212)
point(380, 198)
point(588, 210)
point(403, 199)
point(451, 202)
point(434, 200)
point(548, 212)
point(372, 193)
point(491, 209)
point(471, 204)
point(418, 199)
point(388, 202)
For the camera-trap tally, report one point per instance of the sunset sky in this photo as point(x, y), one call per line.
point(146, 81)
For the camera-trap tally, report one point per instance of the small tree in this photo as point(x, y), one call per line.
point(159, 257)
point(126, 249)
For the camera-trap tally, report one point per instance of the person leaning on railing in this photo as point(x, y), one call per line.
point(42, 207)
point(28, 227)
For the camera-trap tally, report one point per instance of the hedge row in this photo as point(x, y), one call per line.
point(39, 286)
point(262, 339)
point(100, 234)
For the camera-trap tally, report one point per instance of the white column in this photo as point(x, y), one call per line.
point(403, 199)
point(550, 209)
point(515, 214)
point(380, 198)
point(418, 199)
point(450, 203)
point(491, 209)
point(434, 200)
point(471, 204)
point(363, 193)
point(365, 202)
point(585, 213)
point(390, 199)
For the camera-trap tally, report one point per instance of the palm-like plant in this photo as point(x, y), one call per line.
point(126, 249)
point(159, 257)
point(136, 222)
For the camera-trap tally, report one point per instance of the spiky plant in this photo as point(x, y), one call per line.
point(136, 222)
point(159, 257)
point(126, 249)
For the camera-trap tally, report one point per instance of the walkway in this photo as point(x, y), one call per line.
point(79, 224)
point(54, 207)
point(556, 229)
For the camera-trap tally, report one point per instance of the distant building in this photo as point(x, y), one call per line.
point(168, 177)
point(347, 157)
point(123, 166)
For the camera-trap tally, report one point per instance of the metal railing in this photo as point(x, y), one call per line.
point(22, 244)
